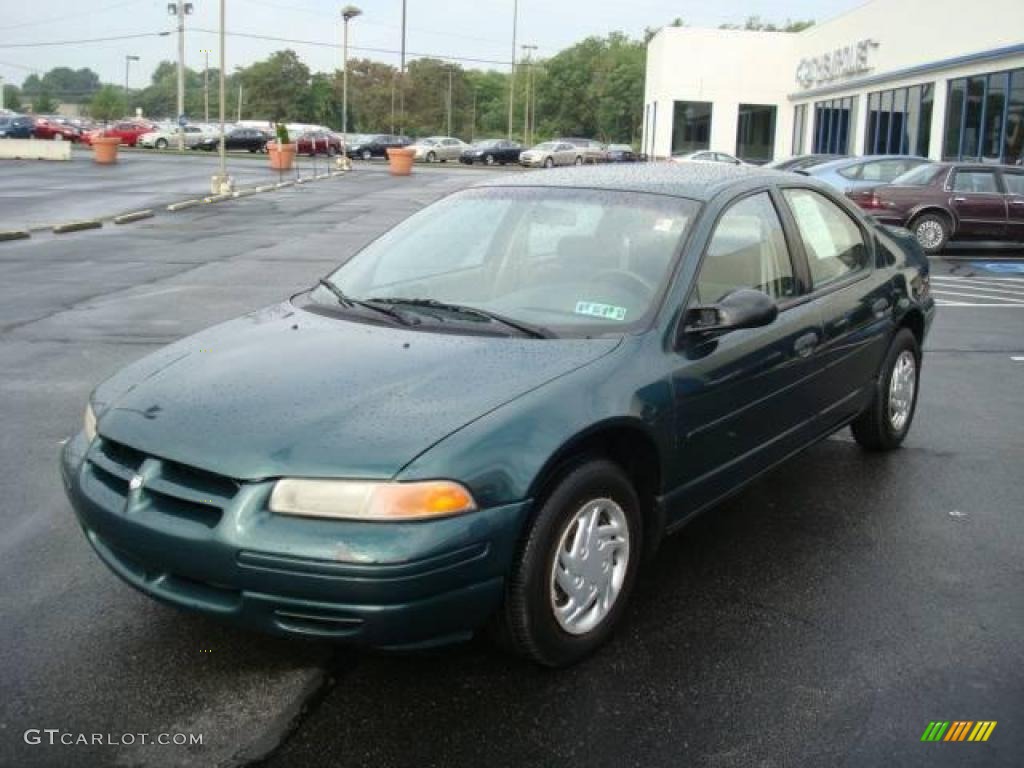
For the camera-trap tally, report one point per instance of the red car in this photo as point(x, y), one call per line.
point(55, 128)
point(939, 202)
point(317, 143)
point(128, 131)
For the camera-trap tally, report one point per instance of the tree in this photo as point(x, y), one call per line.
point(371, 85)
point(106, 104)
point(276, 87)
point(12, 97)
point(75, 86)
point(43, 103)
point(754, 24)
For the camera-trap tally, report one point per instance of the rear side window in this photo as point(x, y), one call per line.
point(833, 241)
point(1014, 183)
point(975, 181)
point(747, 250)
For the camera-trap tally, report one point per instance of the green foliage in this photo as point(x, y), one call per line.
point(106, 104)
point(12, 97)
point(282, 134)
point(43, 103)
point(754, 24)
point(62, 84)
point(276, 87)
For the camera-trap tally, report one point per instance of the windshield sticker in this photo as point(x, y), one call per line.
point(607, 311)
point(663, 225)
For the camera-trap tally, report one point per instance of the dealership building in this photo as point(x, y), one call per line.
point(936, 78)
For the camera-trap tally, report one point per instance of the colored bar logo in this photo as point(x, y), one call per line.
point(958, 730)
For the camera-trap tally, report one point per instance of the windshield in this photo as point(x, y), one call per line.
point(921, 175)
point(546, 145)
point(577, 262)
point(426, 142)
point(487, 143)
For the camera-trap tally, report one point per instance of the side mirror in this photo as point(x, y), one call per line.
point(742, 308)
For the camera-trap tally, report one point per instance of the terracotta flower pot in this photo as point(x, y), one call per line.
point(104, 149)
point(400, 160)
point(282, 156)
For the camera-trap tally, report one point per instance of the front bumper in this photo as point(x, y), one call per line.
point(374, 584)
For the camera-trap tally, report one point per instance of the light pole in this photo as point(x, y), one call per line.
point(127, 104)
point(1, 94)
point(512, 76)
point(348, 13)
point(180, 10)
point(472, 128)
point(225, 182)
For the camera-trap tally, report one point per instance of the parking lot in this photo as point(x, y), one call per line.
point(822, 617)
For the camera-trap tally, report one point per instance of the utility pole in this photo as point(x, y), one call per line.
point(512, 76)
point(1, 94)
point(239, 102)
point(472, 128)
point(181, 10)
point(224, 183)
point(526, 100)
point(401, 79)
point(348, 13)
point(449, 100)
point(206, 85)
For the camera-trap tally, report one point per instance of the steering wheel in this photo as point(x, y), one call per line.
point(620, 276)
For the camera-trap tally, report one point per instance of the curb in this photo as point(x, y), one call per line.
point(14, 234)
point(183, 205)
point(128, 218)
point(77, 226)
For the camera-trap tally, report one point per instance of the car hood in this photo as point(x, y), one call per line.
point(285, 391)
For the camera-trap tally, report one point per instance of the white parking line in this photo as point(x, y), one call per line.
point(978, 295)
point(954, 291)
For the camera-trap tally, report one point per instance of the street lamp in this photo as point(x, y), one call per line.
point(512, 75)
point(527, 112)
point(348, 13)
point(127, 63)
point(181, 10)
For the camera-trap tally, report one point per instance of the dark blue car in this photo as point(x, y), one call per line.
point(16, 126)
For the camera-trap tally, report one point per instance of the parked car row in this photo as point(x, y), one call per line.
point(938, 202)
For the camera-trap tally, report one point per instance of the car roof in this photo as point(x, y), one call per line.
point(844, 162)
point(696, 181)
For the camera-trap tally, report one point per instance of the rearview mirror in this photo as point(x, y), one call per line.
point(742, 308)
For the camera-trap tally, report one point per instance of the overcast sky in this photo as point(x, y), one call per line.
point(474, 29)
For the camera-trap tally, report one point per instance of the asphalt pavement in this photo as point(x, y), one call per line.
point(823, 617)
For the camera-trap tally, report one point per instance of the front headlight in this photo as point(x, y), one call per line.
point(89, 423)
point(368, 500)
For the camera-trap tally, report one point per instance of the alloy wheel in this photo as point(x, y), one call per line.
point(929, 233)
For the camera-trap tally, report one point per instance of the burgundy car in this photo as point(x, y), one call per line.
point(55, 128)
point(318, 142)
point(940, 202)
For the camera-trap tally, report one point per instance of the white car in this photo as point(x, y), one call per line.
point(706, 156)
point(435, 149)
point(168, 136)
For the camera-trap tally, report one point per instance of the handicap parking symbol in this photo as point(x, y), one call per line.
point(1001, 267)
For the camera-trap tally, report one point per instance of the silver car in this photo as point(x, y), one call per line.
point(593, 151)
point(850, 173)
point(706, 156)
point(168, 136)
point(548, 154)
point(434, 149)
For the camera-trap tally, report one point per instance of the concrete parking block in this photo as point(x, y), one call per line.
point(128, 218)
point(77, 226)
point(14, 234)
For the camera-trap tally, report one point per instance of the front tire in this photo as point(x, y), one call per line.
point(549, 163)
point(931, 230)
point(885, 423)
point(576, 567)
point(578, 161)
point(488, 159)
point(161, 144)
point(366, 154)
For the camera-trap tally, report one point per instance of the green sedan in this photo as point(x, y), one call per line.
point(490, 416)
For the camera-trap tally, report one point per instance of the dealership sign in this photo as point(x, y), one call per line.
point(831, 66)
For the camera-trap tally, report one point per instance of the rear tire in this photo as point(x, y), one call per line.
point(885, 423)
point(576, 567)
point(579, 161)
point(931, 230)
point(366, 154)
point(488, 159)
point(549, 163)
point(161, 144)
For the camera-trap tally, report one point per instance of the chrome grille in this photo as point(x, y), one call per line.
point(168, 488)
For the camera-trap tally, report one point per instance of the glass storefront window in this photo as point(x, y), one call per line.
point(985, 118)
point(899, 121)
point(755, 133)
point(832, 121)
point(799, 128)
point(691, 126)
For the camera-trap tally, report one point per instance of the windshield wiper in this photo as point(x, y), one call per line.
point(527, 329)
point(347, 301)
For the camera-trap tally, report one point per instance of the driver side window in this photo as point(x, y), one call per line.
point(747, 250)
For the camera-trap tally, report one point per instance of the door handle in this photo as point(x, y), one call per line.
point(959, 199)
point(879, 306)
point(1017, 202)
point(805, 344)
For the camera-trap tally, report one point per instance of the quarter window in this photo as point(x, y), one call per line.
point(833, 241)
point(975, 181)
point(1014, 183)
point(747, 250)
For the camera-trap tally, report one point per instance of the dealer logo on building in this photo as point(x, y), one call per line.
point(842, 62)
